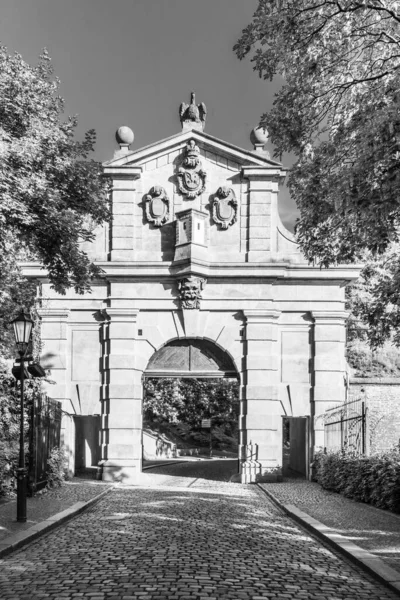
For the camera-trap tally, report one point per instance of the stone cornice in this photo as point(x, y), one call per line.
point(322, 317)
point(123, 172)
point(177, 141)
point(260, 316)
point(121, 314)
point(263, 172)
point(375, 381)
point(54, 314)
point(275, 272)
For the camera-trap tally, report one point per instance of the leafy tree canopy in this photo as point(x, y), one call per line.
point(375, 298)
point(338, 112)
point(51, 195)
point(176, 400)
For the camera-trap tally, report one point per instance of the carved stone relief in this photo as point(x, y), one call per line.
point(224, 207)
point(191, 176)
point(190, 289)
point(192, 116)
point(157, 206)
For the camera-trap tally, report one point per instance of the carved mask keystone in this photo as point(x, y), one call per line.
point(224, 207)
point(190, 289)
point(157, 206)
point(191, 176)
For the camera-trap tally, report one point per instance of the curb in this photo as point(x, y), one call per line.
point(360, 557)
point(18, 540)
point(175, 462)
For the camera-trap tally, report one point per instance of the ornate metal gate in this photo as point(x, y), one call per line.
point(345, 427)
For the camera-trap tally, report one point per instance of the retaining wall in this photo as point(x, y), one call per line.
point(382, 397)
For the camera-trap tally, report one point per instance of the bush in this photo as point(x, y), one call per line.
point(10, 427)
point(9, 454)
point(57, 463)
point(366, 362)
point(371, 479)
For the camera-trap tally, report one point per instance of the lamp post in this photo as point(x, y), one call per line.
point(22, 332)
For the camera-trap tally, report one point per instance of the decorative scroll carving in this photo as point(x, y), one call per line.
point(191, 176)
point(192, 116)
point(157, 206)
point(224, 208)
point(190, 289)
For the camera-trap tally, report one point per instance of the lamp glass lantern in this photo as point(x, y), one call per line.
point(22, 331)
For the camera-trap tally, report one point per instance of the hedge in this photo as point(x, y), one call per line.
point(371, 479)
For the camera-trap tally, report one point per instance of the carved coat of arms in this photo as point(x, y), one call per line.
point(191, 176)
point(157, 206)
point(224, 207)
point(190, 289)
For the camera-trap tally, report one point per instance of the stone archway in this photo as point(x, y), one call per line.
point(191, 359)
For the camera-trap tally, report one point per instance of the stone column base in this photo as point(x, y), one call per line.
point(250, 471)
point(121, 471)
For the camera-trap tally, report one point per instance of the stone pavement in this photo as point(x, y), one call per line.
point(373, 529)
point(45, 505)
point(194, 540)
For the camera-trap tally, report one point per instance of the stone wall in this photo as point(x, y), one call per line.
point(382, 398)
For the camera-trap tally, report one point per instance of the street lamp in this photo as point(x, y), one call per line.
point(22, 332)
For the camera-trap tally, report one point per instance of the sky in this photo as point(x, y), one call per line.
point(132, 62)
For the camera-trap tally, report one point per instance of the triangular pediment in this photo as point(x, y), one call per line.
point(227, 155)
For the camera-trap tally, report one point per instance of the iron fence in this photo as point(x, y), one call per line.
point(45, 435)
point(345, 427)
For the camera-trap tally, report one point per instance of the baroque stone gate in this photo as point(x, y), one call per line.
point(196, 251)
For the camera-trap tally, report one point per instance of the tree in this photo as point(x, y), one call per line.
point(15, 291)
point(375, 298)
point(51, 195)
point(338, 112)
point(178, 400)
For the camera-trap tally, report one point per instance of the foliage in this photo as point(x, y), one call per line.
point(57, 462)
point(10, 425)
point(189, 400)
point(338, 112)
point(51, 195)
point(15, 292)
point(185, 402)
point(374, 299)
point(367, 362)
point(372, 479)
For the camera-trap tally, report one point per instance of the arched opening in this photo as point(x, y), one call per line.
point(191, 406)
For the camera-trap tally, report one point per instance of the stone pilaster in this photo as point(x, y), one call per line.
point(123, 204)
point(122, 399)
point(329, 366)
point(55, 338)
point(262, 420)
point(262, 211)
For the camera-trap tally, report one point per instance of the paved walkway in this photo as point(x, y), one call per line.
point(373, 529)
point(195, 539)
point(47, 504)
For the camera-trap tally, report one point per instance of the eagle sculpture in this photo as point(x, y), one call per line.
point(193, 116)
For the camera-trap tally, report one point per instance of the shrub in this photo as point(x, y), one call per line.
point(9, 454)
point(56, 472)
point(373, 479)
point(10, 427)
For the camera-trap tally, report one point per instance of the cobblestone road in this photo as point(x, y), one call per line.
point(198, 540)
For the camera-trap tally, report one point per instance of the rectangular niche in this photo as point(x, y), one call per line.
point(85, 355)
point(296, 354)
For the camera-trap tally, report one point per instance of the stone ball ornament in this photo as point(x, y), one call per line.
point(124, 136)
point(259, 136)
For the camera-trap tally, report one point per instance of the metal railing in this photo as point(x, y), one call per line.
point(345, 427)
